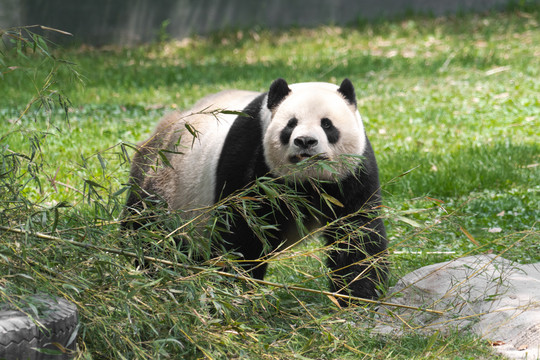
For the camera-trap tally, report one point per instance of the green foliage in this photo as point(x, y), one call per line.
point(450, 105)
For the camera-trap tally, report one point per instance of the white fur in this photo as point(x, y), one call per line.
point(190, 184)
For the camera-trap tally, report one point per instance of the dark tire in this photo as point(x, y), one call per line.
point(20, 337)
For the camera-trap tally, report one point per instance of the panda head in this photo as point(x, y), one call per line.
point(312, 121)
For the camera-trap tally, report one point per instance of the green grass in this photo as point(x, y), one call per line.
point(451, 106)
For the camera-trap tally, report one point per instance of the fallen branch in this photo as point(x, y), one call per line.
point(217, 272)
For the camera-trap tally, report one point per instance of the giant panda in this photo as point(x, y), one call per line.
point(230, 139)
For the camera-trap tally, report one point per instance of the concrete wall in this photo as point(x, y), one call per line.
point(134, 21)
point(10, 12)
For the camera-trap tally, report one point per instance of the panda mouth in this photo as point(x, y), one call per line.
point(303, 156)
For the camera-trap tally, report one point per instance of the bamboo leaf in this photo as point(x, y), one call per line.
point(333, 200)
point(334, 300)
point(232, 112)
point(101, 161)
point(93, 184)
point(164, 159)
point(408, 221)
point(469, 236)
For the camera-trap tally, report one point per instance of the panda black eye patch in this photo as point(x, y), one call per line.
point(286, 133)
point(326, 123)
point(292, 123)
point(332, 133)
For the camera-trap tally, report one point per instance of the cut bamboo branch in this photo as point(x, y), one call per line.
point(217, 272)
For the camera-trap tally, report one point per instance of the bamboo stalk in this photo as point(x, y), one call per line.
point(217, 272)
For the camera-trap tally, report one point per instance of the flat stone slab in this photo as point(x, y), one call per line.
point(490, 296)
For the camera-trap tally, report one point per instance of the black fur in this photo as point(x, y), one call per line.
point(278, 91)
point(332, 132)
point(285, 135)
point(347, 90)
point(245, 155)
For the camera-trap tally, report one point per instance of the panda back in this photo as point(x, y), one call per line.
point(190, 183)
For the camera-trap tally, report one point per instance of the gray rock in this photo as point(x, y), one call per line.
point(488, 295)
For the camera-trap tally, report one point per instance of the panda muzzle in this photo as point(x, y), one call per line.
point(303, 156)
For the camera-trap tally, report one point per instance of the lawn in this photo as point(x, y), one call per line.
point(451, 106)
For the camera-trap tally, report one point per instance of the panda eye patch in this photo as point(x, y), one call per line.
point(332, 133)
point(326, 123)
point(292, 123)
point(287, 131)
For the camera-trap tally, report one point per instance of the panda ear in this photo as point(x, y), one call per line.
point(278, 91)
point(347, 90)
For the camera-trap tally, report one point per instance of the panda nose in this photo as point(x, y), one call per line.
point(305, 142)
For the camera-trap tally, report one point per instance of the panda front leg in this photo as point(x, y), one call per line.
point(357, 260)
point(243, 240)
